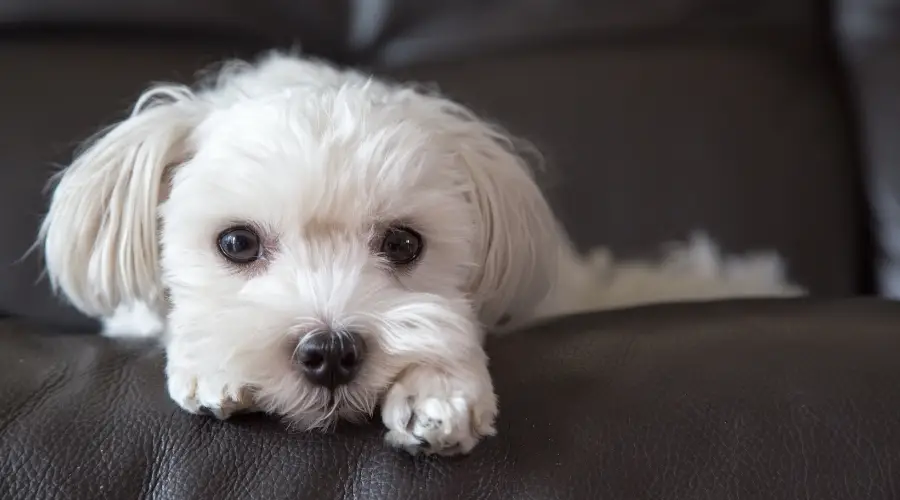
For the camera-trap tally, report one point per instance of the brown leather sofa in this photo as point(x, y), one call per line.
point(771, 124)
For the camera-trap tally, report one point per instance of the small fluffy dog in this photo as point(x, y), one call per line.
point(310, 242)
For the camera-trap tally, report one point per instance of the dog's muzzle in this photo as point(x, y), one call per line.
point(331, 359)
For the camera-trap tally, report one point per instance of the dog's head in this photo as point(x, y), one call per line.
point(312, 230)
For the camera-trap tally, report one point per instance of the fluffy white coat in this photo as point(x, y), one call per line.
point(318, 159)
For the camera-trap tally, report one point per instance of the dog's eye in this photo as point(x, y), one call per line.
point(239, 245)
point(401, 245)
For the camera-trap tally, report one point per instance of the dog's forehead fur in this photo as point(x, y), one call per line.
point(314, 161)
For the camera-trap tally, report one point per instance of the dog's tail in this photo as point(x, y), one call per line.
point(692, 270)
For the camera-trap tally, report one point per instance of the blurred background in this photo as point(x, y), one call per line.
point(771, 124)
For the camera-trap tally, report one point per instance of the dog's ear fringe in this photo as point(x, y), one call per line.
point(519, 235)
point(100, 233)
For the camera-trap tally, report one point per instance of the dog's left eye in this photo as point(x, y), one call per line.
point(401, 245)
point(239, 245)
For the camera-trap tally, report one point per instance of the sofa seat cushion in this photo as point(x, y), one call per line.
point(749, 399)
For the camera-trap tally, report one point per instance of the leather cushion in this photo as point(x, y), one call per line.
point(319, 25)
point(401, 32)
point(763, 399)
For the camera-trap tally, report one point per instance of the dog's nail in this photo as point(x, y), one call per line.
point(217, 413)
point(422, 442)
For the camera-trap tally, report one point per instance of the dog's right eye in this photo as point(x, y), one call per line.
point(239, 245)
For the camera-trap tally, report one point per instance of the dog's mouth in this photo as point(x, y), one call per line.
point(304, 405)
point(323, 408)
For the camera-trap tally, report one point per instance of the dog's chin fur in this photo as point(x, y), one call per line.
point(319, 162)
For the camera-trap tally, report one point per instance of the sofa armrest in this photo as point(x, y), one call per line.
point(754, 399)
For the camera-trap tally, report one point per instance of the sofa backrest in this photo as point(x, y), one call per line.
point(656, 117)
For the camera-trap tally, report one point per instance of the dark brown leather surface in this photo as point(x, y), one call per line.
point(403, 32)
point(319, 25)
point(769, 400)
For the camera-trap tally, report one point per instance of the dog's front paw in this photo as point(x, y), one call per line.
point(214, 394)
point(431, 411)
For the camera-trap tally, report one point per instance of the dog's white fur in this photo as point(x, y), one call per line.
point(319, 158)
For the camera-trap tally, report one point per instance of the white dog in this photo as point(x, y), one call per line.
point(313, 243)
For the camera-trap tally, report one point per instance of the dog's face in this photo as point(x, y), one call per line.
point(301, 219)
point(312, 240)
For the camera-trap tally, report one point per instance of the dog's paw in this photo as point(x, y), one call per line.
point(434, 412)
point(213, 394)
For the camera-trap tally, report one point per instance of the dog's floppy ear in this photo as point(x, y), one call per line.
point(100, 234)
point(519, 238)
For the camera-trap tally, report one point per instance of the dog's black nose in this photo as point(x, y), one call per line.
point(331, 359)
